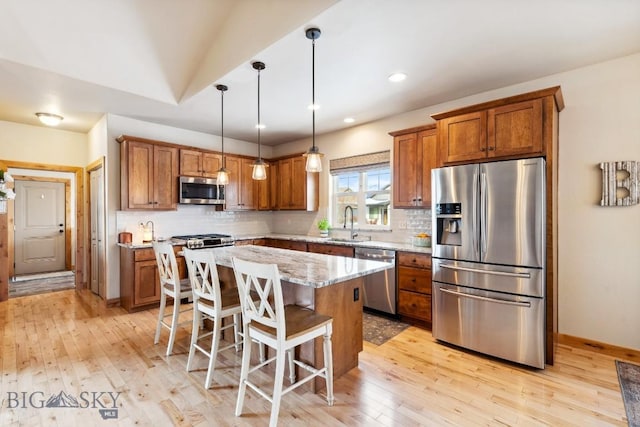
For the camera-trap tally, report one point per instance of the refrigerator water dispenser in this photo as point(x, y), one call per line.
point(449, 224)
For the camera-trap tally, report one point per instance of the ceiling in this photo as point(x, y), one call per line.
point(159, 60)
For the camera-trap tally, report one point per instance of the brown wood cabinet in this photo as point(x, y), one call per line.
point(519, 126)
point(414, 286)
point(149, 175)
point(199, 163)
point(139, 279)
point(267, 198)
point(297, 189)
point(241, 192)
point(514, 130)
point(328, 249)
point(294, 245)
point(414, 155)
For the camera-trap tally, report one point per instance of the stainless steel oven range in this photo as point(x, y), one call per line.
point(202, 241)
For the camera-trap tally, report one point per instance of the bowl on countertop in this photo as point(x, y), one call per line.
point(423, 242)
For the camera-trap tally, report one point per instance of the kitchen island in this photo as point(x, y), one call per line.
point(328, 284)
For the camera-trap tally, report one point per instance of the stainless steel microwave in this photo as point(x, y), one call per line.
point(200, 191)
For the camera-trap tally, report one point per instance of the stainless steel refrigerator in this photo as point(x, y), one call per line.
point(489, 258)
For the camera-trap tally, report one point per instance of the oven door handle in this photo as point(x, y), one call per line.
point(494, 272)
point(478, 297)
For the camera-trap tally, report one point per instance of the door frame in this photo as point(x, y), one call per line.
point(102, 291)
point(67, 218)
point(7, 255)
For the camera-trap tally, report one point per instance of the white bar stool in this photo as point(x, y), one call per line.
point(169, 281)
point(209, 302)
point(282, 328)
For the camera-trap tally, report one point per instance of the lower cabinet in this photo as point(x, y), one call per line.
point(139, 279)
point(414, 286)
point(328, 249)
point(294, 245)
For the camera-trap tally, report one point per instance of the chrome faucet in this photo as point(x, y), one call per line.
point(352, 235)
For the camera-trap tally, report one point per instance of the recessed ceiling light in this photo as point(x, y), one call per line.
point(349, 120)
point(49, 119)
point(260, 126)
point(313, 107)
point(397, 77)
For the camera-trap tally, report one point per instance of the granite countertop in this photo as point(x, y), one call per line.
point(396, 246)
point(302, 268)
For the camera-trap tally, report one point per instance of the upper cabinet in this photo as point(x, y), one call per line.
point(268, 189)
point(414, 155)
point(199, 163)
point(242, 191)
point(514, 127)
point(297, 188)
point(149, 174)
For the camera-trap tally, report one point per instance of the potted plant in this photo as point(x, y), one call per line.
point(323, 226)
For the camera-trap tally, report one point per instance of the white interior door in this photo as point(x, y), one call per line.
point(40, 227)
point(97, 232)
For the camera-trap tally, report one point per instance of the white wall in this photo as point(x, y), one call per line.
point(35, 144)
point(599, 248)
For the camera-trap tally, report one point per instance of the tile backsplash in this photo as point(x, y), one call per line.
point(405, 223)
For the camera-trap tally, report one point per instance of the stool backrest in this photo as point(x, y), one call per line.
point(252, 279)
point(167, 264)
point(203, 275)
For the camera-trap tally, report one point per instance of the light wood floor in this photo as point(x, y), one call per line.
point(67, 341)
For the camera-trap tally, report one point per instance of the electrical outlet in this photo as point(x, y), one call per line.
point(403, 225)
point(356, 294)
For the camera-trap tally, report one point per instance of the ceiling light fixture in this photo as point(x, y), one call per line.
point(349, 120)
point(259, 166)
point(49, 119)
point(314, 157)
point(223, 174)
point(397, 77)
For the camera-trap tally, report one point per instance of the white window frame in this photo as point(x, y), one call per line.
point(337, 215)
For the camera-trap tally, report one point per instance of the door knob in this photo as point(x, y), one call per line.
point(60, 231)
point(60, 225)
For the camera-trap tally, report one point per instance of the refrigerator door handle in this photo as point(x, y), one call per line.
point(494, 272)
point(474, 225)
point(478, 297)
point(483, 214)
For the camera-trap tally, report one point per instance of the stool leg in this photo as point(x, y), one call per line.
point(292, 367)
point(195, 331)
point(236, 331)
point(328, 364)
point(277, 387)
point(163, 303)
point(174, 323)
point(244, 371)
point(215, 343)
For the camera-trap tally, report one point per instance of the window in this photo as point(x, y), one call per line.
point(368, 193)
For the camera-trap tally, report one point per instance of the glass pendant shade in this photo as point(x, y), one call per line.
point(259, 170)
point(314, 160)
point(222, 177)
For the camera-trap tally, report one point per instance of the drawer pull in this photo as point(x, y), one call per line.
point(496, 273)
point(478, 297)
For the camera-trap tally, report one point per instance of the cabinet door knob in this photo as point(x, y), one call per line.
point(492, 148)
point(482, 149)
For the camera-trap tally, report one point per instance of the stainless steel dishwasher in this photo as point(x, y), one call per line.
point(379, 291)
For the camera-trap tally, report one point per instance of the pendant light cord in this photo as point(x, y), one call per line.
point(222, 125)
point(259, 123)
point(313, 93)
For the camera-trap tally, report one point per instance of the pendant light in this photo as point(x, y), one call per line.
point(223, 173)
point(314, 157)
point(259, 166)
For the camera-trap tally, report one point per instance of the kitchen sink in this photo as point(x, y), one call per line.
point(336, 239)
